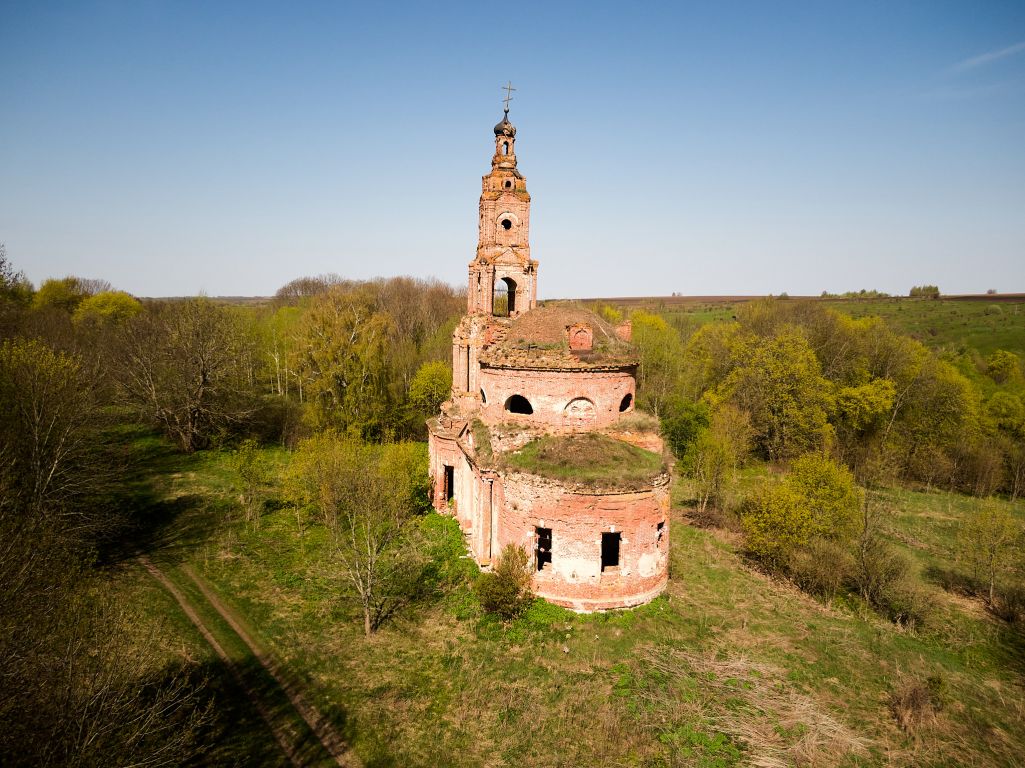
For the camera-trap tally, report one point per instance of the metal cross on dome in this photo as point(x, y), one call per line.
point(508, 88)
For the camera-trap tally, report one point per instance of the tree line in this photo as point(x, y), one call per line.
point(838, 406)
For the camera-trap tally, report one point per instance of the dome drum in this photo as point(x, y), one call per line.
point(568, 401)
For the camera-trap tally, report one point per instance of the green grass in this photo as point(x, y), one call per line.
point(589, 459)
point(726, 667)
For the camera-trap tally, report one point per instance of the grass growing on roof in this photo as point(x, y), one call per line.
point(590, 459)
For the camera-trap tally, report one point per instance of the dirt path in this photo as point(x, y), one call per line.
point(284, 741)
point(319, 724)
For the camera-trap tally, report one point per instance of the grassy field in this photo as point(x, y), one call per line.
point(955, 324)
point(949, 323)
point(727, 668)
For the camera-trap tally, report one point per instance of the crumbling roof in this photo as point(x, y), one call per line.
point(538, 339)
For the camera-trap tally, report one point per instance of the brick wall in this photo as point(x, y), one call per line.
point(551, 392)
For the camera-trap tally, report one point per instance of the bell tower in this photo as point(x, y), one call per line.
point(503, 277)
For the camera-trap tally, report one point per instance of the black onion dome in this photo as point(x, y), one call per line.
point(505, 128)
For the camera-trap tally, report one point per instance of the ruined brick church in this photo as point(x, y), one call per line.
point(523, 372)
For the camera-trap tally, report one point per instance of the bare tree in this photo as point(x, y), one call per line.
point(184, 368)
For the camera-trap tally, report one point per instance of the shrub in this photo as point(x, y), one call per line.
point(817, 499)
point(885, 579)
point(1010, 604)
point(914, 703)
point(822, 567)
point(506, 590)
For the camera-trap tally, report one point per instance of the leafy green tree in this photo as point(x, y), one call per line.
point(860, 412)
point(710, 354)
point(430, 387)
point(861, 408)
point(65, 294)
point(343, 359)
point(779, 383)
point(367, 497)
point(46, 421)
point(714, 457)
point(253, 476)
point(107, 307)
point(660, 348)
point(1007, 410)
point(988, 542)
point(934, 418)
point(15, 289)
point(682, 422)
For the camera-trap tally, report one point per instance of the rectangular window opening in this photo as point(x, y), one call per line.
point(610, 550)
point(450, 482)
point(542, 547)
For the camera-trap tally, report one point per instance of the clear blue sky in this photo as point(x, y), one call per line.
point(713, 148)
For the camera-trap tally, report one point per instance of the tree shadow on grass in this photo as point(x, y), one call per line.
point(192, 714)
point(146, 520)
point(1009, 640)
point(952, 580)
point(239, 735)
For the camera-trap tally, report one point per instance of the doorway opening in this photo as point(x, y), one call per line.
point(542, 547)
point(610, 550)
point(450, 483)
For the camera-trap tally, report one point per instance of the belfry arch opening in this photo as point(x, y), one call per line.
point(504, 298)
point(519, 404)
point(505, 147)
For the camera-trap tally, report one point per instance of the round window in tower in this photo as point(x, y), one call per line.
point(506, 224)
point(508, 185)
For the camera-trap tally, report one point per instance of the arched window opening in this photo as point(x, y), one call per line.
point(626, 402)
point(505, 147)
point(503, 300)
point(508, 185)
point(519, 404)
point(483, 397)
point(506, 224)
